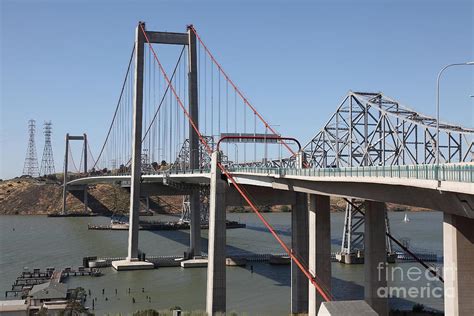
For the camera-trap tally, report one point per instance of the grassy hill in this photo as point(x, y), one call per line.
point(24, 196)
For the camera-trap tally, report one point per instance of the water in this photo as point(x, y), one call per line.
point(39, 242)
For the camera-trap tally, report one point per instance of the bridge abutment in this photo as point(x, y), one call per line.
point(375, 257)
point(216, 268)
point(319, 248)
point(299, 245)
point(458, 250)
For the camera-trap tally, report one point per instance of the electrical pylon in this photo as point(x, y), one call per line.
point(47, 162)
point(30, 167)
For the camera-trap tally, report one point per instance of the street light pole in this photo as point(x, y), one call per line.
point(266, 144)
point(437, 104)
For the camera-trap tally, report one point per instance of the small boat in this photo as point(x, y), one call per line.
point(406, 219)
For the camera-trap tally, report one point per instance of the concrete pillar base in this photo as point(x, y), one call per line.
point(123, 265)
point(194, 263)
point(346, 308)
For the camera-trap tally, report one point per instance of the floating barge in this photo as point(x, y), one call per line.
point(175, 261)
point(73, 215)
point(114, 225)
point(82, 214)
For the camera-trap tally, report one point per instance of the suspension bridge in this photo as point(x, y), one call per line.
point(182, 126)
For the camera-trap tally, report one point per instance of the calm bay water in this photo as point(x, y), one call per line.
point(39, 242)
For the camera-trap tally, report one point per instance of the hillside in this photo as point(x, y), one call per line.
point(25, 196)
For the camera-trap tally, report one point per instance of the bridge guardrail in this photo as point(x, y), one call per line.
point(455, 173)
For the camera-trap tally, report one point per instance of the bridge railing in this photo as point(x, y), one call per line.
point(455, 173)
point(187, 171)
point(452, 172)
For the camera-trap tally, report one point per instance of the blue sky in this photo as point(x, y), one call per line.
point(64, 60)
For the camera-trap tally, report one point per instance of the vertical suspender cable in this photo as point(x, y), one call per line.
point(212, 100)
point(246, 102)
point(118, 105)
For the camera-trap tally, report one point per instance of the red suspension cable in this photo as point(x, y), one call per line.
point(240, 92)
point(311, 278)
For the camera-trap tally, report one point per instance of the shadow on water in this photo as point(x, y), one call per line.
point(276, 275)
point(281, 275)
point(283, 231)
point(350, 290)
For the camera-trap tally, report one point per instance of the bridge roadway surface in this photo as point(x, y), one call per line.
point(407, 185)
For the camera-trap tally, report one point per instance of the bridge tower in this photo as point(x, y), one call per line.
point(66, 187)
point(187, 39)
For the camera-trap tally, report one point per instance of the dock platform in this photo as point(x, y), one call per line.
point(145, 225)
point(27, 279)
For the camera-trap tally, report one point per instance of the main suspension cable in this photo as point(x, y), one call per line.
point(239, 92)
point(118, 105)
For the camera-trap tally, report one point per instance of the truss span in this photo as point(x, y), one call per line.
point(371, 129)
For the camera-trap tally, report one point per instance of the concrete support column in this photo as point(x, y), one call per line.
point(195, 223)
point(194, 198)
point(86, 204)
point(375, 256)
point(136, 146)
point(85, 171)
point(216, 274)
point(66, 156)
point(458, 250)
point(319, 248)
point(299, 245)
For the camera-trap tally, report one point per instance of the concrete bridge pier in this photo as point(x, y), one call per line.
point(195, 223)
point(299, 245)
point(319, 248)
point(86, 203)
point(375, 257)
point(146, 201)
point(132, 262)
point(194, 151)
point(216, 268)
point(86, 206)
point(458, 251)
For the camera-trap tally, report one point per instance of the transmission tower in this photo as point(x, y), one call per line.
point(47, 162)
point(31, 161)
